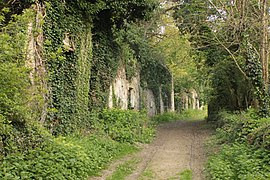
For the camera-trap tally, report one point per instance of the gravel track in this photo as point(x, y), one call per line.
point(178, 146)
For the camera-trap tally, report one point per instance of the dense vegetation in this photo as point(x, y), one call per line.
point(233, 38)
point(49, 89)
point(58, 59)
point(240, 148)
point(187, 115)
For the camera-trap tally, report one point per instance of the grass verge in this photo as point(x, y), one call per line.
point(240, 148)
point(75, 156)
point(123, 170)
point(187, 115)
point(184, 175)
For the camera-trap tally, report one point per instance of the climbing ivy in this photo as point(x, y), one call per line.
point(68, 53)
point(117, 40)
point(106, 59)
point(18, 130)
point(254, 72)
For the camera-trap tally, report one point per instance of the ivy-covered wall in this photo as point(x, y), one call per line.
point(128, 93)
point(68, 56)
point(85, 46)
point(75, 49)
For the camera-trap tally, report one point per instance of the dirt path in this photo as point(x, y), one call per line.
point(178, 146)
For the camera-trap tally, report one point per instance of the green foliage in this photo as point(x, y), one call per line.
point(117, 12)
point(191, 114)
point(186, 175)
point(105, 62)
point(254, 72)
point(147, 174)
point(72, 157)
point(231, 91)
point(183, 175)
point(190, 17)
point(18, 132)
point(243, 146)
point(20, 139)
point(178, 58)
point(123, 170)
point(68, 66)
point(127, 126)
point(239, 161)
point(242, 128)
point(14, 7)
point(14, 74)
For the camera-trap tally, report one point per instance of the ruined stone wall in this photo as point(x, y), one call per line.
point(150, 102)
point(125, 94)
point(190, 100)
point(128, 94)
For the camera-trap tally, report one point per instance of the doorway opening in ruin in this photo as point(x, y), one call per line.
point(130, 98)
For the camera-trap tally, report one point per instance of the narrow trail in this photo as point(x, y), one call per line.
point(179, 146)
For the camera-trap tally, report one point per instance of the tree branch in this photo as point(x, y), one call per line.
point(232, 55)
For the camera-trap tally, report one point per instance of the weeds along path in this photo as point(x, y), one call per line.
point(179, 146)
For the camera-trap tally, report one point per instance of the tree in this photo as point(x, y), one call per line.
point(234, 31)
point(183, 61)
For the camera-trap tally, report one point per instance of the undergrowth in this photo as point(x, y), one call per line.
point(127, 125)
point(123, 170)
point(183, 175)
point(78, 156)
point(190, 114)
point(240, 148)
point(72, 157)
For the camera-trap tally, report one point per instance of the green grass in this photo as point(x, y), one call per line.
point(147, 174)
point(187, 115)
point(184, 175)
point(123, 170)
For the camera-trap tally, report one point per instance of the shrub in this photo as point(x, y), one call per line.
point(244, 153)
point(243, 127)
point(239, 161)
point(191, 114)
point(73, 157)
point(127, 125)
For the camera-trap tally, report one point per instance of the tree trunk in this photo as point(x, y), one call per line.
point(172, 108)
point(264, 42)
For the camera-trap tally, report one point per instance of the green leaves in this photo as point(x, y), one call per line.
point(243, 149)
point(127, 126)
point(238, 161)
point(72, 157)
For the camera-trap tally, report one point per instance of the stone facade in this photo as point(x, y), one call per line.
point(190, 100)
point(125, 94)
point(150, 103)
point(128, 94)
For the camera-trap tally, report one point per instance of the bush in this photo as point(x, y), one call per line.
point(191, 114)
point(243, 127)
point(33, 153)
point(239, 161)
point(243, 143)
point(73, 157)
point(18, 132)
point(127, 125)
